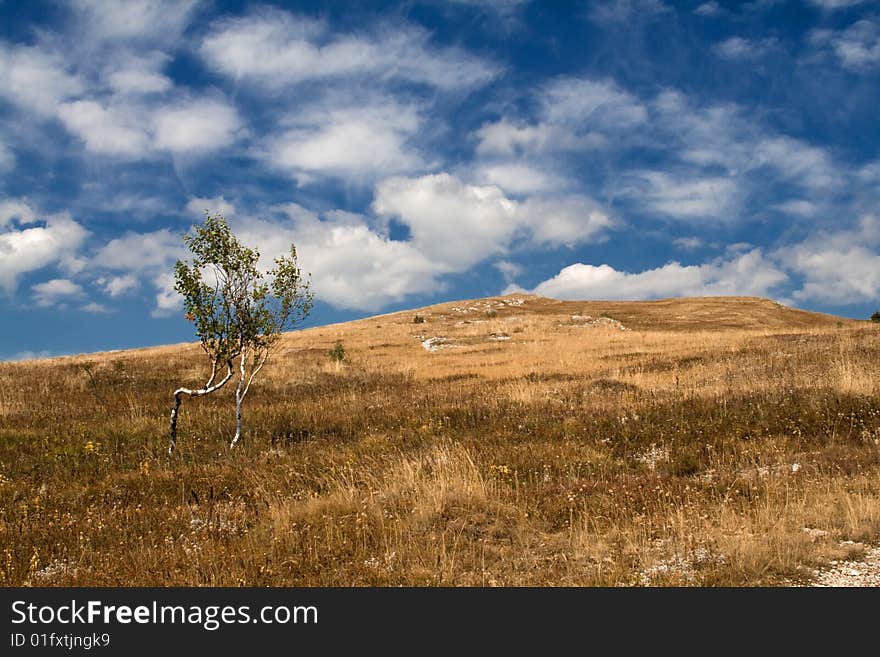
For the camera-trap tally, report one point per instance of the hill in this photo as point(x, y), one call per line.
point(509, 440)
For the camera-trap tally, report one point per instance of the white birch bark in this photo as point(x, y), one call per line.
point(208, 388)
point(239, 397)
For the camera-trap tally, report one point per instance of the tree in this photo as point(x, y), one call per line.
point(238, 311)
point(876, 316)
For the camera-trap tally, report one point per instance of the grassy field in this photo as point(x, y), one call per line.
point(717, 441)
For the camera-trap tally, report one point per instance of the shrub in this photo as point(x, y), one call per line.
point(337, 353)
point(418, 319)
point(876, 316)
point(685, 463)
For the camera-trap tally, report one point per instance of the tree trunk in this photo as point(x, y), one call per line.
point(239, 398)
point(178, 398)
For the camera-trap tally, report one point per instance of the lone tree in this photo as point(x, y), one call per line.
point(238, 311)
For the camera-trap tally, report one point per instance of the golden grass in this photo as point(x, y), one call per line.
point(717, 442)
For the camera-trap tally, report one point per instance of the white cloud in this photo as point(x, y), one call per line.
point(168, 301)
point(198, 206)
point(685, 197)
point(598, 104)
point(567, 220)
point(140, 252)
point(137, 81)
point(517, 178)
point(838, 267)
point(142, 258)
point(794, 160)
point(133, 20)
point(574, 113)
point(748, 274)
point(857, 47)
point(55, 292)
point(94, 307)
point(32, 244)
point(797, 207)
point(507, 138)
point(451, 222)
point(278, 49)
point(460, 225)
point(509, 270)
point(709, 9)
point(688, 243)
point(352, 266)
point(104, 130)
point(837, 4)
point(364, 143)
point(739, 48)
point(198, 125)
point(36, 80)
point(626, 11)
point(10, 209)
point(119, 285)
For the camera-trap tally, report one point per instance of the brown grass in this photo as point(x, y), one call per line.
point(717, 442)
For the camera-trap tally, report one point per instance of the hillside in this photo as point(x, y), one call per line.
point(510, 440)
point(679, 314)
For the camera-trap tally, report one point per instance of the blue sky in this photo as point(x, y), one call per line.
point(430, 150)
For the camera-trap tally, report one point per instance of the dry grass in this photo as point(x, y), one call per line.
point(717, 442)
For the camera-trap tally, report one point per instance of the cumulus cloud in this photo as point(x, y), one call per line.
point(29, 243)
point(36, 80)
point(119, 285)
point(361, 143)
point(139, 258)
point(139, 82)
point(55, 292)
point(857, 47)
point(140, 252)
point(197, 125)
point(450, 221)
point(505, 137)
point(104, 130)
point(838, 267)
point(568, 220)
point(460, 224)
point(352, 265)
point(517, 178)
point(277, 49)
point(746, 274)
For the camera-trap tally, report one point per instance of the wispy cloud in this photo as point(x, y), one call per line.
point(275, 49)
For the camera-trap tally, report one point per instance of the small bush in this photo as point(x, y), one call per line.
point(685, 464)
point(337, 353)
point(876, 316)
point(418, 319)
